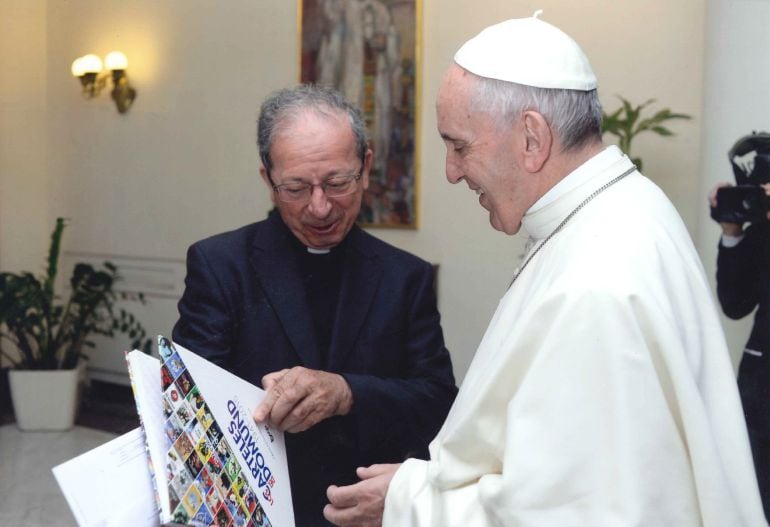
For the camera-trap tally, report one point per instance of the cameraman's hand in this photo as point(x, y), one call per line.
point(728, 229)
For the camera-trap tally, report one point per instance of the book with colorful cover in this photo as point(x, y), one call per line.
point(211, 463)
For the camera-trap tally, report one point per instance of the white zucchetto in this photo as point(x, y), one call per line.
point(528, 51)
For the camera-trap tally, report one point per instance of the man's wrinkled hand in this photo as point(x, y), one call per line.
point(299, 398)
point(361, 504)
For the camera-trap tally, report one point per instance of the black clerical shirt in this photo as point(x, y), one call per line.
point(322, 277)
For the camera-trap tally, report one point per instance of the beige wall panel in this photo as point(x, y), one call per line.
point(24, 198)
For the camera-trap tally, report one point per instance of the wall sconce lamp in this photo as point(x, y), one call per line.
point(88, 69)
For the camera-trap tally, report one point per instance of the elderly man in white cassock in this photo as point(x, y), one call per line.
point(602, 393)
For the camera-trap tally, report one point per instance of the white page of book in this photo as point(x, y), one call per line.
point(145, 378)
point(111, 484)
point(259, 449)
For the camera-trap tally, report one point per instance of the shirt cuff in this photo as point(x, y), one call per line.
point(731, 241)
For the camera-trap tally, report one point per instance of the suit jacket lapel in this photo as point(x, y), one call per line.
point(278, 274)
point(360, 280)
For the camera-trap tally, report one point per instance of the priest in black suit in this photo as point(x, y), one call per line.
point(340, 328)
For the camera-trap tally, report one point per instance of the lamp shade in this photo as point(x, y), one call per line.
point(90, 64)
point(77, 67)
point(115, 60)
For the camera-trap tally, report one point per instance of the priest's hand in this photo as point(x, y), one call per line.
point(361, 504)
point(299, 398)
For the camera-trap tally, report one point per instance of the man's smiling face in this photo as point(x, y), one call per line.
point(311, 148)
point(483, 153)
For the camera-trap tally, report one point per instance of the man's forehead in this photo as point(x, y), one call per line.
point(456, 79)
point(313, 129)
point(303, 118)
point(454, 92)
point(452, 108)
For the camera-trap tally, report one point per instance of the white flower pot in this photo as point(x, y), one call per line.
point(45, 399)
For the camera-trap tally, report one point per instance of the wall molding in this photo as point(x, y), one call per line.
point(154, 277)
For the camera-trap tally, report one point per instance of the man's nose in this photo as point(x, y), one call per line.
point(453, 172)
point(319, 204)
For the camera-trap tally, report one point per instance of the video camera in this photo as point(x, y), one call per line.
point(747, 201)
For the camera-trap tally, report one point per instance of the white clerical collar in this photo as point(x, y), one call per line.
point(598, 163)
point(318, 251)
point(551, 209)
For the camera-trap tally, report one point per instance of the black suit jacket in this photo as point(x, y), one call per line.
point(743, 285)
point(245, 308)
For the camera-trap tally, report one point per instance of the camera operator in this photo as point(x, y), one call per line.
point(743, 284)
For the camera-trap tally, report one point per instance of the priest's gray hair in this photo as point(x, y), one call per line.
point(281, 108)
point(575, 116)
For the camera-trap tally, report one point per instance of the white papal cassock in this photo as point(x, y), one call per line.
point(602, 393)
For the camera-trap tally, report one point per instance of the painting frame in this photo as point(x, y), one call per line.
point(371, 51)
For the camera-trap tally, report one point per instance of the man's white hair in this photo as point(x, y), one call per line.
point(574, 116)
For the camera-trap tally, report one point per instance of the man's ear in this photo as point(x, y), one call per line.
point(266, 179)
point(367, 168)
point(539, 140)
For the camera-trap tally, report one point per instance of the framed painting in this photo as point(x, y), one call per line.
point(369, 50)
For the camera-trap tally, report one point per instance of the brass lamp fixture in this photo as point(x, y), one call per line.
point(88, 69)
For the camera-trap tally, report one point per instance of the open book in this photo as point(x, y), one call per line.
point(211, 463)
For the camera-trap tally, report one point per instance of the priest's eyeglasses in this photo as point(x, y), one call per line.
point(333, 187)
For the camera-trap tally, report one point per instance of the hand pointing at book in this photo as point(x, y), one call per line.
point(299, 398)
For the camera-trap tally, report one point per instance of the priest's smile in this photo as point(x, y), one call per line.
point(323, 229)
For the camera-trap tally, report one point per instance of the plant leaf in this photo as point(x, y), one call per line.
point(662, 130)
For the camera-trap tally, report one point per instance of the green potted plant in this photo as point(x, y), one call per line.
point(44, 335)
point(626, 123)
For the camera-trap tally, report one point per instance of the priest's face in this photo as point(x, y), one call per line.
point(312, 148)
point(483, 154)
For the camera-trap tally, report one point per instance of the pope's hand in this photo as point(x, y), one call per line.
point(299, 398)
point(361, 504)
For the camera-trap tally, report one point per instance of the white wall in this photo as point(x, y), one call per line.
point(736, 102)
point(182, 163)
point(24, 215)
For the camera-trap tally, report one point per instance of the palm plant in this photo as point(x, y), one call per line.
point(626, 123)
